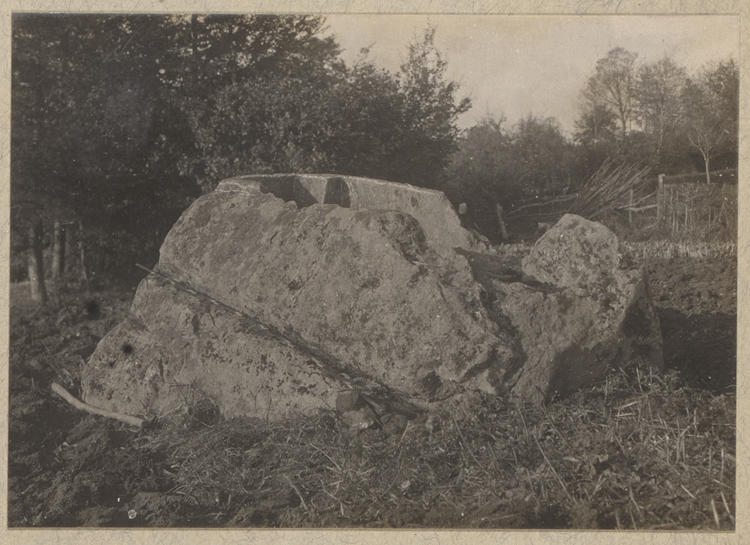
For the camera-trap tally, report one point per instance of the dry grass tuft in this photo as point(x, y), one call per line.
point(639, 451)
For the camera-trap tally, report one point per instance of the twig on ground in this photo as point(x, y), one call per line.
point(298, 494)
point(80, 405)
point(562, 483)
point(403, 435)
point(716, 515)
point(726, 506)
point(326, 455)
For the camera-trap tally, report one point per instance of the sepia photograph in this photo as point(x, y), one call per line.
point(368, 271)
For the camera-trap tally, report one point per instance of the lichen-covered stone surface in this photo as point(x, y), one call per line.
point(431, 209)
point(590, 312)
point(271, 302)
point(363, 285)
point(177, 350)
point(355, 290)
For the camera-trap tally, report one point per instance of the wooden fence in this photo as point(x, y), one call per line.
point(706, 211)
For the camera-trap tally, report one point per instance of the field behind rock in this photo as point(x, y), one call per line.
point(639, 451)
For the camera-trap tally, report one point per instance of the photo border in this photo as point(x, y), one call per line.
point(514, 7)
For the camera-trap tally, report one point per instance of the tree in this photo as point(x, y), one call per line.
point(499, 166)
point(481, 174)
point(540, 154)
point(107, 110)
point(369, 115)
point(84, 107)
point(305, 111)
point(125, 119)
point(723, 81)
point(58, 250)
point(658, 106)
point(711, 103)
point(253, 90)
point(273, 122)
point(36, 267)
point(430, 134)
point(596, 139)
point(597, 126)
point(612, 86)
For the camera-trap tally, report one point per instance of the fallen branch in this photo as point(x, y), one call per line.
point(607, 187)
point(627, 208)
point(555, 200)
point(80, 405)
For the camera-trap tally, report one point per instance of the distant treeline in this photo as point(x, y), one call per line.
point(120, 121)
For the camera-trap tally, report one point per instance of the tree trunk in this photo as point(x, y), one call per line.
point(659, 142)
point(500, 222)
point(58, 251)
point(660, 201)
point(67, 270)
point(708, 175)
point(36, 265)
point(82, 251)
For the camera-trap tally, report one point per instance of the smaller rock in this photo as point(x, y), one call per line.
point(591, 313)
point(358, 420)
point(578, 254)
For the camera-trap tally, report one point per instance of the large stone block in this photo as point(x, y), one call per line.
point(270, 302)
point(365, 285)
point(363, 290)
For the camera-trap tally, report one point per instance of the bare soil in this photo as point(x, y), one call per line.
point(640, 451)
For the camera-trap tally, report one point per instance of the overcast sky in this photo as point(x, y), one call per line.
point(515, 65)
